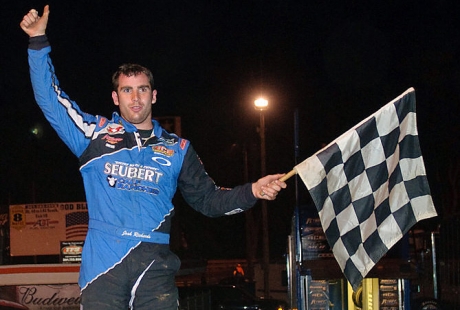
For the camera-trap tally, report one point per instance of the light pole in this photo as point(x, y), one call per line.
point(261, 104)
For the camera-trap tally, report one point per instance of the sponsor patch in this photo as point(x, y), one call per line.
point(115, 129)
point(102, 121)
point(111, 140)
point(183, 142)
point(131, 177)
point(162, 150)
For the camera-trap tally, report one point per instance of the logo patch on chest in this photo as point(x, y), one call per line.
point(162, 150)
point(111, 140)
point(115, 129)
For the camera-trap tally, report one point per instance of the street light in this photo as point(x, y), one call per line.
point(261, 104)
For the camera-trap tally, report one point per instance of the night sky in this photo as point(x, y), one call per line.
point(335, 62)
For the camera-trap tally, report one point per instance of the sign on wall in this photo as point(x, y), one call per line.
point(40, 229)
point(40, 297)
point(314, 242)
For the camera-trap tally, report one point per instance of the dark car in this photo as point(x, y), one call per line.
point(224, 297)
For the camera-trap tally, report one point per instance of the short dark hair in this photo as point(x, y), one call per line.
point(129, 70)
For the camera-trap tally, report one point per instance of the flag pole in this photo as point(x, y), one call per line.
point(288, 175)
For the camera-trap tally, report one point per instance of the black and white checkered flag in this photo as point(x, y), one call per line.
point(370, 186)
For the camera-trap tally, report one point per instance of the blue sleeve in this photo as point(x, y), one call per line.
point(72, 125)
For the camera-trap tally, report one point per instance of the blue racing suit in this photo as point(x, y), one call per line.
point(129, 184)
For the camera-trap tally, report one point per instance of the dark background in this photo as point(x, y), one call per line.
point(335, 62)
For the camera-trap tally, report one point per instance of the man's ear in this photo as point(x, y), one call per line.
point(154, 96)
point(115, 98)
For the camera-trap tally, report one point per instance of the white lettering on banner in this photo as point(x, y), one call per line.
point(73, 206)
point(55, 297)
point(133, 172)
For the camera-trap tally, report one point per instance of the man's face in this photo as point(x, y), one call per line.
point(135, 97)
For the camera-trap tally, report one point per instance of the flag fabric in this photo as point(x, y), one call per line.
point(76, 225)
point(370, 186)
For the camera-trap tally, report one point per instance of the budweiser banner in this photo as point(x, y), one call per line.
point(40, 297)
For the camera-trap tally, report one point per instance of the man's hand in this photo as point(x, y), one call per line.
point(268, 187)
point(35, 25)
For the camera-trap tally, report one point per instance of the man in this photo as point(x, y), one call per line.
point(238, 272)
point(131, 168)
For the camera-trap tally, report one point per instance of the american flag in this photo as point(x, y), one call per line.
point(370, 186)
point(76, 224)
